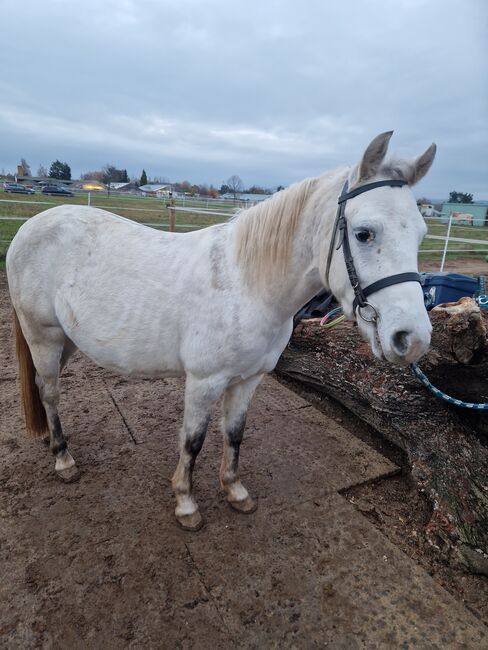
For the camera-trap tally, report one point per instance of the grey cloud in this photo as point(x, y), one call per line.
point(273, 91)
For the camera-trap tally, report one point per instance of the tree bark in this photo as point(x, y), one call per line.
point(447, 446)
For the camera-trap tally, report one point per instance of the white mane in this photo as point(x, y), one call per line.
point(265, 233)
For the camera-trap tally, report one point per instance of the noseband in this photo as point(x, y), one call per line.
point(340, 224)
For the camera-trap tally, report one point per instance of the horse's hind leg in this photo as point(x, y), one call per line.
point(68, 349)
point(235, 406)
point(49, 356)
point(200, 398)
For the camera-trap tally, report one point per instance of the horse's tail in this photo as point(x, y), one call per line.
point(34, 411)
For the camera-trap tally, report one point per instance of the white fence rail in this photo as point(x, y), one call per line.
point(205, 211)
point(448, 238)
point(202, 211)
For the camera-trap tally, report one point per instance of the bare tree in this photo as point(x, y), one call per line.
point(26, 167)
point(42, 171)
point(235, 185)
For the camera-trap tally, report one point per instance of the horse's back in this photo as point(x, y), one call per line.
point(123, 293)
point(66, 226)
point(55, 242)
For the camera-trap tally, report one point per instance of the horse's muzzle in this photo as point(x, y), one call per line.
point(407, 346)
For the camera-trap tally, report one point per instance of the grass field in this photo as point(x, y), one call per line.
point(142, 209)
point(154, 212)
point(146, 210)
point(456, 249)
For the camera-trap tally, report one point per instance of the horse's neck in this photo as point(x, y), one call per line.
point(302, 279)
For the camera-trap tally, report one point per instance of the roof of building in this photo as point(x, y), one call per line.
point(242, 196)
point(119, 186)
point(154, 187)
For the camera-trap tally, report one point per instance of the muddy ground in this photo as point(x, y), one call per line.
point(469, 265)
point(102, 563)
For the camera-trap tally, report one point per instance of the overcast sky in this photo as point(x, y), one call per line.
point(273, 91)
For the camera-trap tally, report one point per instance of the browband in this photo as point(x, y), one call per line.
point(369, 186)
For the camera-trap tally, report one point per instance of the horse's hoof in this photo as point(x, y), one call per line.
point(191, 522)
point(69, 475)
point(246, 506)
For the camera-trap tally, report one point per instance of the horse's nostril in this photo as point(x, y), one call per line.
point(400, 342)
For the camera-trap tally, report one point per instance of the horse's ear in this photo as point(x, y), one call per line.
point(417, 169)
point(373, 156)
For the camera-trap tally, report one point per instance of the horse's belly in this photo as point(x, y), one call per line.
point(134, 360)
point(129, 345)
point(133, 363)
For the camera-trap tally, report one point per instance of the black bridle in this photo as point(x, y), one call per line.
point(340, 225)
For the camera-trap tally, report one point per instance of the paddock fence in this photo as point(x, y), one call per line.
point(185, 214)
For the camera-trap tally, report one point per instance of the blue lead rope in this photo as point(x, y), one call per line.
point(447, 398)
point(417, 372)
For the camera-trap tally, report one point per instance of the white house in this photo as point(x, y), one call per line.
point(155, 189)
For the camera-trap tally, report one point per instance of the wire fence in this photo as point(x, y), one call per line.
point(202, 212)
point(459, 249)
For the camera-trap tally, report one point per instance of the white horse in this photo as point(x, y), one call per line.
point(82, 278)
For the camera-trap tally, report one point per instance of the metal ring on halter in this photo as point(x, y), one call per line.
point(373, 318)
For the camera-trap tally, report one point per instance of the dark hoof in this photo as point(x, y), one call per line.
point(69, 475)
point(247, 506)
point(191, 522)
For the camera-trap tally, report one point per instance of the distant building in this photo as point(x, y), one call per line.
point(428, 210)
point(42, 180)
point(155, 189)
point(249, 198)
point(469, 214)
point(124, 187)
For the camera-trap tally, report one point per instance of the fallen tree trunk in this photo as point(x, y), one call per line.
point(446, 446)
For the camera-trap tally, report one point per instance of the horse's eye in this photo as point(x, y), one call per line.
point(364, 235)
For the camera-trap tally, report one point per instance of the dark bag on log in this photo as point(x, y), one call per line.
point(315, 308)
point(439, 288)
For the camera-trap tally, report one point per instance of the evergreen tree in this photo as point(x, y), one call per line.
point(460, 197)
point(143, 180)
point(60, 171)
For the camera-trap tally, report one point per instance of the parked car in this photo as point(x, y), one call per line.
point(57, 190)
point(17, 188)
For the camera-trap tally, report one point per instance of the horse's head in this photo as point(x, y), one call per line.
point(384, 230)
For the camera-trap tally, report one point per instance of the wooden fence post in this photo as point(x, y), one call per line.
point(172, 214)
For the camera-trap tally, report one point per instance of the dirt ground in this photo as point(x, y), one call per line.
point(102, 564)
point(468, 265)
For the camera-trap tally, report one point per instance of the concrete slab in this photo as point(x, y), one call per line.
point(318, 574)
point(289, 448)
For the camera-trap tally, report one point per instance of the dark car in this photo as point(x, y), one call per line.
point(17, 188)
point(57, 190)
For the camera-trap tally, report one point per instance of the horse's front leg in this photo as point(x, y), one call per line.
point(200, 398)
point(235, 406)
